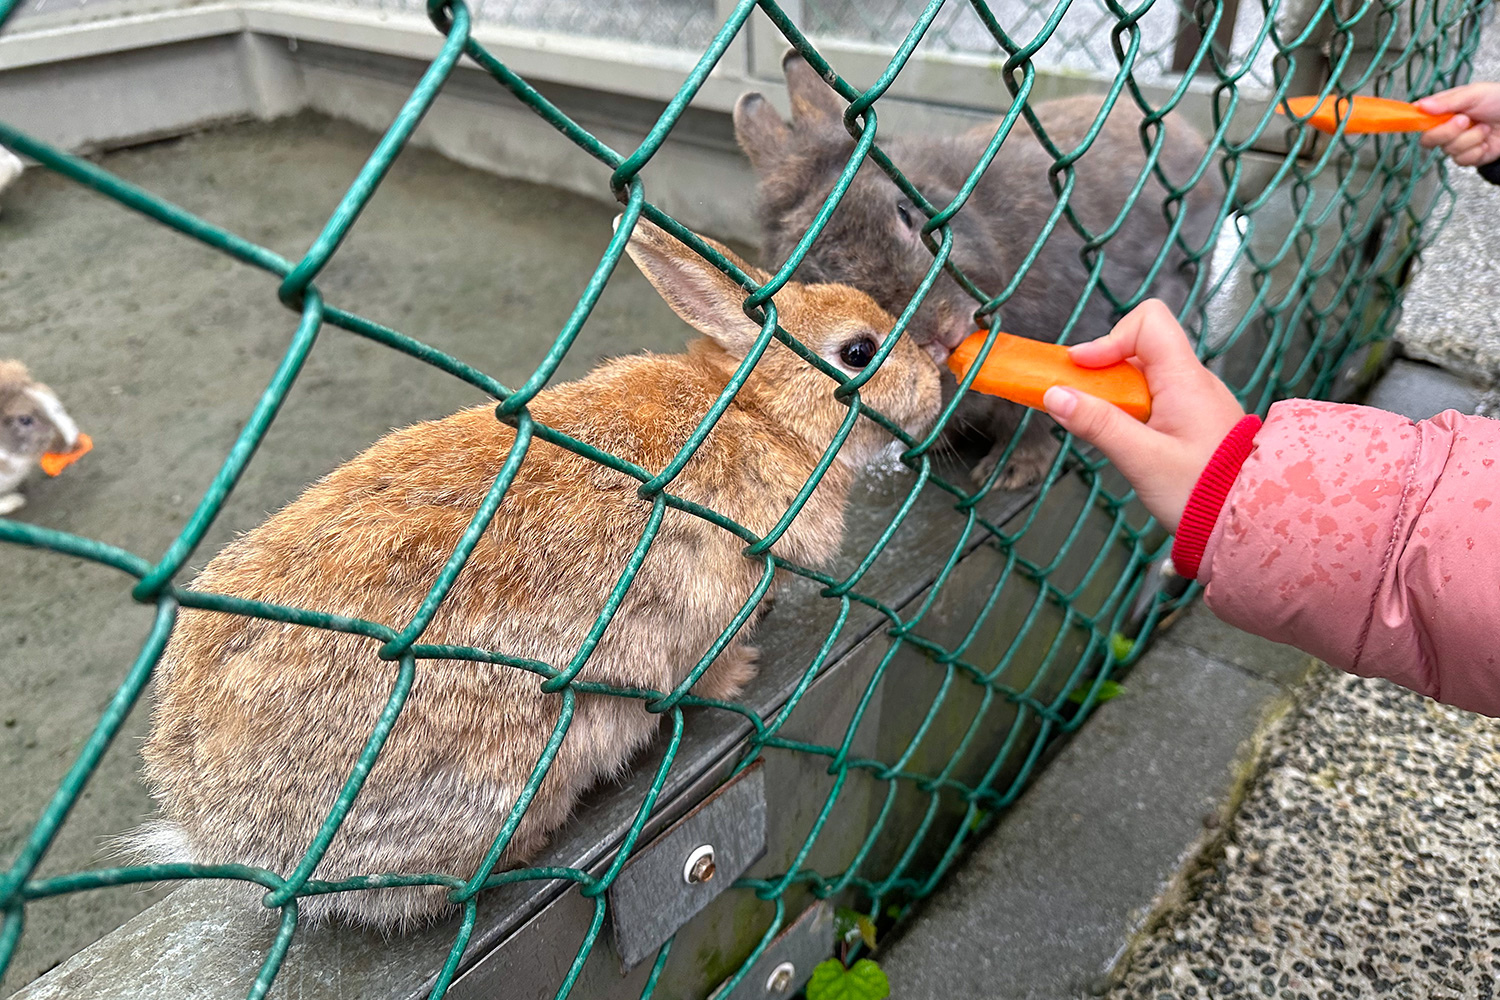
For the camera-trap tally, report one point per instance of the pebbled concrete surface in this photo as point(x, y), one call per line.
point(1365, 862)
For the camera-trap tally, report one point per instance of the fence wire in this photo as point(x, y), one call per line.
point(1306, 274)
point(1079, 44)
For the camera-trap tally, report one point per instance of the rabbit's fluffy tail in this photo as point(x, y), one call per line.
point(156, 842)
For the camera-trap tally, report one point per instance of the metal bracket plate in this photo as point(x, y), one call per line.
point(688, 866)
point(788, 961)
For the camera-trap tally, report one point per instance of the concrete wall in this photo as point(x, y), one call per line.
point(132, 70)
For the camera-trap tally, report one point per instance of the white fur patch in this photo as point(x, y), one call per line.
point(55, 413)
point(13, 472)
point(156, 842)
point(10, 167)
point(887, 463)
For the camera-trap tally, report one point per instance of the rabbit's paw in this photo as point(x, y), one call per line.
point(12, 502)
point(1027, 465)
point(727, 676)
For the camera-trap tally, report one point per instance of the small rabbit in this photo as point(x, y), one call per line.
point(873, 240)
point(11, 167)
point(32, 423)
point(257, 724)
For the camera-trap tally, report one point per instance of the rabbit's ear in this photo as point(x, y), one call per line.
point(759, 130)
point(13, 376)
point(50, 409)
point(814, 103)
point(707, 298)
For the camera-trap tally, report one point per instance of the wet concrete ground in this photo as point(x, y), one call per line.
point(160, 346)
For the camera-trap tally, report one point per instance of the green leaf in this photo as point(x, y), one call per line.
point(866, 930)
point(1121, 647)
point(1107, 690)
point(893, 911)
point(831, 981)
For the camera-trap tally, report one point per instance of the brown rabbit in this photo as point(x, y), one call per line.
point(873, 240)
point(257, 724)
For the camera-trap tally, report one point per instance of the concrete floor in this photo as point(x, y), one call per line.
point(159, 347)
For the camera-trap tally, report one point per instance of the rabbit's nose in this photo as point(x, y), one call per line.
point(939, 352)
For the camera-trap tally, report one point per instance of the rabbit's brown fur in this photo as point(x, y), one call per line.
point(257, 724)
point(873, 242)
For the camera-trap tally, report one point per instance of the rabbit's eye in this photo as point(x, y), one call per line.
point(857, 353)
point(25, 420)
point(905, 210)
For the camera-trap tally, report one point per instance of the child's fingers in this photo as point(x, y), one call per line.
point(1107, 350)
point(1123, 439)
point(1481, 154)
point(1471, 140)
point(1441, 135)
point(1149, 332)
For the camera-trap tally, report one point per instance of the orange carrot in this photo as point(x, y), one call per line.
point(54, 462)
point(1022, 370)
point(1364, 114)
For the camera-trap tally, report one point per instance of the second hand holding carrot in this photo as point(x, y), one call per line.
point(1472, 136)
point(1191, 410)
point(1363, 114)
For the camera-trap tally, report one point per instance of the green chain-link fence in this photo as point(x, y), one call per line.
point(1313, 245)
point(1080, 43)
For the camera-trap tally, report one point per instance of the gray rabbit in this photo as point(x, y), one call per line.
point(873, 240)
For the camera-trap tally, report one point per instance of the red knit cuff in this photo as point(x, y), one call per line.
point(1208, 496)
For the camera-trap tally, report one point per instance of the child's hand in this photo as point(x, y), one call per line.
point(1472, 136)
point(1191, 410)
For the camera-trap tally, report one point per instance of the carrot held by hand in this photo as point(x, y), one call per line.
point(1022, 370)
point(1362, 114)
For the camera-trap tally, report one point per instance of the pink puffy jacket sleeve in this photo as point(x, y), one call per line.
point(1371, 542)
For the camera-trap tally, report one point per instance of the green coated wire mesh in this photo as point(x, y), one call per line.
point(1080, 42)
point(1302, 278)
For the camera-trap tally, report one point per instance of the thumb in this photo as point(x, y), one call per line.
point(1456, 99)
point(1111, 429)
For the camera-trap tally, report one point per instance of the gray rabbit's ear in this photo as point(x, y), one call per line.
point(707, 298)
point(814, 103)
point(759, 130)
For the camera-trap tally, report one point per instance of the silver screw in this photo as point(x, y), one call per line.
point(780, 979)
point(699, 867)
